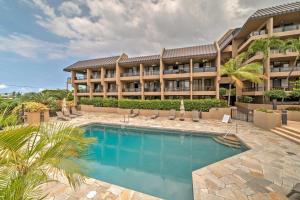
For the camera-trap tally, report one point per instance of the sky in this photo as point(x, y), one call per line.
point(38, 38)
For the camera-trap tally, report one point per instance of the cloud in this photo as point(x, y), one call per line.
point(29, 47)
point(2, 86)
point(69, 8)
point(95, 28)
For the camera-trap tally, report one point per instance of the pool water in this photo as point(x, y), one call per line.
point(151, 161)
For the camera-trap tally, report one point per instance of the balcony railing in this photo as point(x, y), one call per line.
point(284, 69)
point(98, 90)
point(131, 89)
point(86, 90)
point(179, 89)
point(286, 88)
point(204, 88)
point(286, 28)
point(205, 69)
point(253, 89)
point(80, 78)
point(177, 71)
point(95, 76)
point(126, 74)
point(152, 89)
point(150, 73)
point(113, 75)
point(112, 90)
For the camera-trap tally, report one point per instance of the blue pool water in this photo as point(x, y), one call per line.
point(152, 161)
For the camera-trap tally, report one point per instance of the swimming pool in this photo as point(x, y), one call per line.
point(153, 161)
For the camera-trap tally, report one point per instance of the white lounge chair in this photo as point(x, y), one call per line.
point(172, 115)
point(195, 116)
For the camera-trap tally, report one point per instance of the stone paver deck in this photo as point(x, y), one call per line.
point(267, 171)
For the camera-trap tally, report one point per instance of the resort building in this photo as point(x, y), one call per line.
point(194, 72)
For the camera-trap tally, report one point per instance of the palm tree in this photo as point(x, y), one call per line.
point(237, 71)
point(293, 45)
point(31, 156)
point(264, 45)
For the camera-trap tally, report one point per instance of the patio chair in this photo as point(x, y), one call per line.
point(68, 114)
point(172, 114)
point(155, 115)
point(76, 112)
point(61, 116)
point(134, 113)
point(195, 116)
point(295, 190)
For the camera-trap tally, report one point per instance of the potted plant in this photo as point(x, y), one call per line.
point(274, 95)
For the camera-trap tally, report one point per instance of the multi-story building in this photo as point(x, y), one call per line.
point(194, 72)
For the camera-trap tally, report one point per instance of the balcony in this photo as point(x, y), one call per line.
point(112, 90)
point(284, 69)
point(255, 91)
point(175, 89)
point(203, 88)
point(286, 88)
point(151, 73)
point(80, 79)
point(131, 89)
point(286, 28)
point(98, 90)
point(96, 76)
point(83, 91)
point(110, 75)
point(205, 69)
point(177, 71)
point(127, 74)
point(152, 89)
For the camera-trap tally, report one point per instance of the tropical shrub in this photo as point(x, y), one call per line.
point(293, 109)
point(30, 107)
point(247, 99)
point(264, 110)
point(199, 104)
point(276, 94)
point(34, 155)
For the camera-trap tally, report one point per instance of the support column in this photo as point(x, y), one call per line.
point(218, 66)
point(191, 78)
point(89, 84)
point(267, 69)
point(142, 81)
point(161, 72)
point(104, 86)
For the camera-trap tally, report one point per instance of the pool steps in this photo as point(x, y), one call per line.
point(229, 140)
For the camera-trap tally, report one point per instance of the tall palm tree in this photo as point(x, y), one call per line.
point(293, 45)
point(31, 156)
point(237, 71)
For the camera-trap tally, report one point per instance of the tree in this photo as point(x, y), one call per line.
point(264, 45)
point(276, 94)
point(31, 156)
point(296, 91)
point(236, 71)
point(292, 45)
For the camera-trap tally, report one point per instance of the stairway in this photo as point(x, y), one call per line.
point(290, 132)
point(230, 141)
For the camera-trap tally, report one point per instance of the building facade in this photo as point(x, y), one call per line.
point(194, 72)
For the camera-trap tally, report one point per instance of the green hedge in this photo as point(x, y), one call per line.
point(201, 104)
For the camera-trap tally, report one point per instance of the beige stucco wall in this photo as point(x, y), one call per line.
point(34, 117)
point(266, 120)
point(294, 115)
point(252, 106)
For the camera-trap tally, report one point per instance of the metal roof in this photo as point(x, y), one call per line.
point(108, 61)
point(227, 38)
point(140, 59)
point(276, 10)
point(201, 51)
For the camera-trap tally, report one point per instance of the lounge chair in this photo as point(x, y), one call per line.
point(68, 114)
point(195, 116)
point(61, 116)
point(76, 112)
point(295, 190)
point(172, 114)
point(134, 113)
point(155, 115)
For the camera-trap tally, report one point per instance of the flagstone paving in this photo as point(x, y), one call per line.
point(267, 171)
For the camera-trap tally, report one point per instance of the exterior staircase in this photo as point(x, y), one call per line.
point(290, 132)
point(229, 140)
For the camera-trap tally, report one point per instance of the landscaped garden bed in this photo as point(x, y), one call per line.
point(266, 119)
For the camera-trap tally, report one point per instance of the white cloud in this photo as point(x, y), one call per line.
point(69, 8)
point(30, 47)
point(95, 28)
point(2, 86)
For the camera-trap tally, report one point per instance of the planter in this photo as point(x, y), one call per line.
point(36, 117)
point(214, 113)
point(293, 115)
point(266, 120)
